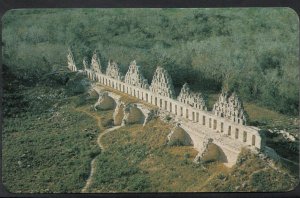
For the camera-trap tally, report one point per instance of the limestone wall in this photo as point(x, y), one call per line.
point(134, 76)
point(162, 83)
point(191, 98)
point(85, 63)
point(205, 120)
point(113, 70)
point(95, 63)
point(226, 131)
point(71, 62)
point(230, 107)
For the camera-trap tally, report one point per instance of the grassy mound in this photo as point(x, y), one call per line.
point(254, 174)
point(47, 145)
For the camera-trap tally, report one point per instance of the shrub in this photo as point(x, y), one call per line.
point(108, 123)
point(80, 100)
point(175, 142)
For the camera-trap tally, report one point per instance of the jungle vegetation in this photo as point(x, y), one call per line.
point(253, 51)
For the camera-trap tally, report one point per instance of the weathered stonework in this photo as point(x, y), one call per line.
point(162, 83)
point(230, 107)
point(105, 102)
point(203, 149)
point(193, 99)
point(113, 70)
point(85, 63)
point(149, 114)
point(179, 136)
point(95, 63)
point(71, 62)
point(225, 125)
point(119, 113)
point(132, 115)
point(134, 76)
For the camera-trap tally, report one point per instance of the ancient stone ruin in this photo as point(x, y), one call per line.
point(230, 107)
point(191, 98)
point(113, 70)
point(71, 62)
point(178, 136)
point(85, 63)
point(162, 83)
point(225, 125)
point(134, 76)
point(133, 115)
point(105, 102)
point(95, 63)
point(119, 113)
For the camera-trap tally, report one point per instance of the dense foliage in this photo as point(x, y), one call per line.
point(252, 51)
point(40, 135)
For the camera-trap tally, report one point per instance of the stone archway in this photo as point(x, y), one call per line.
point(105, 102)
point(179, 136)
point(214, 153)
point(133, 115)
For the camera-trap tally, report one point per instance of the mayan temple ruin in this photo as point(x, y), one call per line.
point(191, 98)
point(113, 70)
point(71, 62)
point(230, 107)
point(225, 126)
point(162, 83)
point(134, 76)
point(95, 63)
point(85, 63)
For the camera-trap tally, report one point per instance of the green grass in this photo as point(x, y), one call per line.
point(267, 116)
point(49, 143)
point(137, 159)
point(49, 146)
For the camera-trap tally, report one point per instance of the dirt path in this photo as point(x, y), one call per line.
point(93, 162)
point(102, 134)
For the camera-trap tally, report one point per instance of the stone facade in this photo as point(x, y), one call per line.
point(71, 62)
point(113, 70)
point(226, 124)
point(95, 63)
point(162, 83)
point(230, 107)
point(193, 99)
point(134, 76)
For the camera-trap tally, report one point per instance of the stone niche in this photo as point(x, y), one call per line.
point(95, 63)
point(162, 83)
point(113, 70)
point(230, 107)
point(193, 99)
point(134, 76)
point(71, 62)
